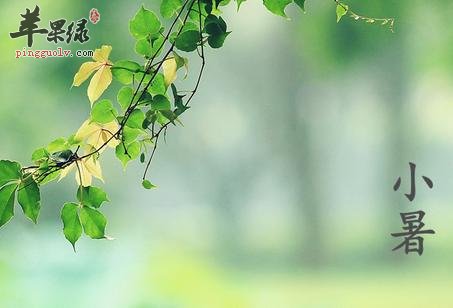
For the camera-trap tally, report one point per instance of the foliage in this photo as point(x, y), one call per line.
point(144, 109)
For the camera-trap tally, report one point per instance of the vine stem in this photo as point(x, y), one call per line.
point(200, 75)
point(384, 21)
point(148, 164)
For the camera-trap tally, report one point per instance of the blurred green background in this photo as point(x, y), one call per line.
point(278, 190)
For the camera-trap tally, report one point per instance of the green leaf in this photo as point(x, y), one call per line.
point(144, 24)
point(277, 6)
point(194, 14)
point(57, 145)
point(168, 8)
point(124, 71)
point(147, 122)
point(149, 48)
point(73, 141)
point(9, 171)
point(45, 169)
point(124, 97)
point(93, 222)
point(146, 77)
point(72, 228)
point(103, 112)
point(91, 196)
point(130, 134)
point(181, 61)
point(160, 102)
point(29, 198)
point(7, 193)
point(142, 158)
point(189, 25)
point(342, 9)
point(148, 185)
point(135, 119)
point(151, 118)
point(179, 103)
point(158, 85)
point(126, 94)
point(39, 155)
point(301, 4)
point(170, 115)
point(216, 41)
point(214, 25)
point(161, 119)
point(157, 46)
point(217, 30)
point(49, 178)
point(239, 2)
point(145, 97)
point(143, 47)
point(133, 151)
point(188, 40)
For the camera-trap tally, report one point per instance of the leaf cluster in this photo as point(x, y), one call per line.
point(152, 97)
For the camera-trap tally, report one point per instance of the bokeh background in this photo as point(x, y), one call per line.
point(278, 190)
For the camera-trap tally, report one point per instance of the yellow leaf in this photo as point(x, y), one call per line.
point(86, 130)
point(97, 134)
point(101, 79)
point(91, 167)
point(66, 171)
point(85, 170)
point(84, 72)
point(82, 176)
point(99, 83)
point(169, 68)
point(102, 55)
